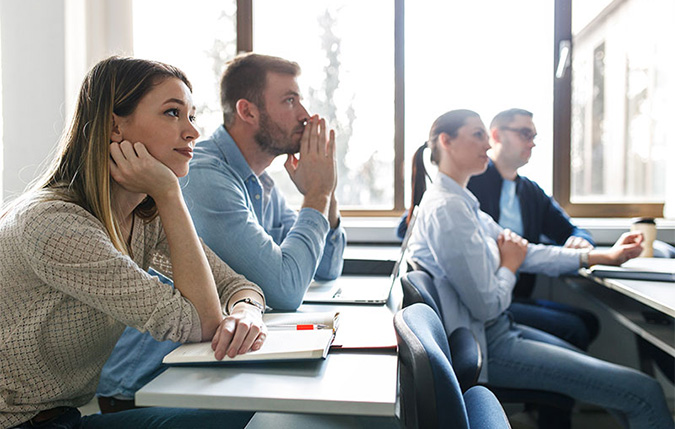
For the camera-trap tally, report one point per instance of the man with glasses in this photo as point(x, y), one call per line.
point(519, 204)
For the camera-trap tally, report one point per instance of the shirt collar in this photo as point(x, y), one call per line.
point(236, 160)
point(448, 184)
point(233, 155)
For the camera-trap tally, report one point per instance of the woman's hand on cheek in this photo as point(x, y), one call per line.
point(241, 331)
point(136, 170)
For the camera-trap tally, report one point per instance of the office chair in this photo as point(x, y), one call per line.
point(555, 409)
point(430, 393)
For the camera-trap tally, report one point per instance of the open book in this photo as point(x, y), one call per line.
point(655, 269)
point(290, 336)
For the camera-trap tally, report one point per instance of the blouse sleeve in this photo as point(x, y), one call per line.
point(70, 251)
point(463, 253)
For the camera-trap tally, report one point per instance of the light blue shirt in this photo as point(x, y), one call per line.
point(509, 208)
point(457, 243)
point(245, 220)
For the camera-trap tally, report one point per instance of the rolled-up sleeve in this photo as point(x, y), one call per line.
point(219, 205)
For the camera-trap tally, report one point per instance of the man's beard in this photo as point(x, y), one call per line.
point(272, 139)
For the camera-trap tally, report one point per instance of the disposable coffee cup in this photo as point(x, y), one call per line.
point(647, 226)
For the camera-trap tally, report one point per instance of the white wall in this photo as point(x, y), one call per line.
point(32, 37)
point(47, 46)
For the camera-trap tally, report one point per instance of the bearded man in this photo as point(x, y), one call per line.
point(241, 215)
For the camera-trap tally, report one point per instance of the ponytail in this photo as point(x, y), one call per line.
point(448, 123)
point(419, 180)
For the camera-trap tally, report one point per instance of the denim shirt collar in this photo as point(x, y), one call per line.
point(231, 152)
point(448, 184)
point(236, 160)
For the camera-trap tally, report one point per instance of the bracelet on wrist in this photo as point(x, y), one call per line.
point(251, 302)
point(583, 259)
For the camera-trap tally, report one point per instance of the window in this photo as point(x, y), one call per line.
point(200, 49)
point(618, 107)
point(480, 55)
point(346, 51)
point(610, 141)
point(487, 74)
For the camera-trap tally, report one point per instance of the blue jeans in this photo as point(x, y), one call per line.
point(150, 418)
point(518, 360)
point(577, 326)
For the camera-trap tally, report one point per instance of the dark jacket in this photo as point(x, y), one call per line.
point(544, 221)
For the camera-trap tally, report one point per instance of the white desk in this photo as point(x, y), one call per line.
point(348, 382)
point(657, 295)
point(345, 383)
point(631, 301)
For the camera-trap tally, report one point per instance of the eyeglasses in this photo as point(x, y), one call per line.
point(526, 133)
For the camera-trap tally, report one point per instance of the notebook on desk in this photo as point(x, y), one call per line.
point(654, 269)
point(290, 336)
point(359, 289)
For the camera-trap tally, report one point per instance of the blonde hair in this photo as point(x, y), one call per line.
point(80, 172)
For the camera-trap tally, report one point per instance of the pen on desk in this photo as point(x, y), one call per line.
point(337, 293)
point(299, 327)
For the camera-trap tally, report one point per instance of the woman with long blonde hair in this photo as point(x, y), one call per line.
point(76, 247)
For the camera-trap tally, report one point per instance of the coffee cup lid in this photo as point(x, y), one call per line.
point(644, 220)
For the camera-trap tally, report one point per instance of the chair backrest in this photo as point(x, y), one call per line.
point(430, 393)
point(418, 286)
point(466, 357)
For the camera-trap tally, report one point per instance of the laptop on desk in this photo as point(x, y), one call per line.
point(359, 289)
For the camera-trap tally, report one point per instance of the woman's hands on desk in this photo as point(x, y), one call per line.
point(240, 331)
point(628, 246)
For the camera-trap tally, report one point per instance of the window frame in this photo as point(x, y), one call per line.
point(245, 44)
point(562, 99)
point(562, 129)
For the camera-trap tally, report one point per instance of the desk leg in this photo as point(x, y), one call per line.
point(645, 355)
point(651, 355)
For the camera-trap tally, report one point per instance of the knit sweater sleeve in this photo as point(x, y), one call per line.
point(69, 250)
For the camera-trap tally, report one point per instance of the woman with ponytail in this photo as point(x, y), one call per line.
point(76, 248)
point(474, 262)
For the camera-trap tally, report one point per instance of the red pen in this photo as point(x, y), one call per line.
point(299, 327)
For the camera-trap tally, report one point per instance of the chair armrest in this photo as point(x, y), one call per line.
point(467, 359)
point(484, 410)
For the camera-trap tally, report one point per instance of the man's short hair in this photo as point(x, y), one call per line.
point(245, 77)
point(504, 118)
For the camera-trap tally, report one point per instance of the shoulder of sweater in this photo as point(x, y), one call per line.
point(40, 210)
